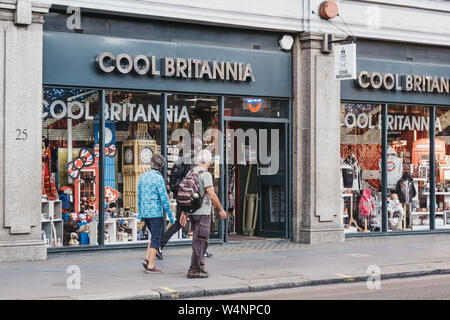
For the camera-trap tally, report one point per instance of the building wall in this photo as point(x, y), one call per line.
point(419, 21)
point(167, 31)
point(20, 131)
point(413, 21)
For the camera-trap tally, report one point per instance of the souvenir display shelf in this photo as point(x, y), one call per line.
point(52, 223)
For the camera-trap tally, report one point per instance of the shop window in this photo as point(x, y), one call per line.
point(442, 158)
point(70, 171)
point(360, 175)
point(132, 136)
point(408, 167)
point(256, 107)
point(192, 125)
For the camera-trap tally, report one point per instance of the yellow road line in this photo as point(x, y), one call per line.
point(173, 293)
point(349, 278)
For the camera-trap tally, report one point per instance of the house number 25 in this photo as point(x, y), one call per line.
point(22, 134)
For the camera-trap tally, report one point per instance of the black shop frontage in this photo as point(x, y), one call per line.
point(161, 86)
point(395, 141)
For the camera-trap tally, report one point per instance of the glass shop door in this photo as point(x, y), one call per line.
point(256, 179)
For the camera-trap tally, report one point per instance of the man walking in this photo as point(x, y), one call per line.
point(178, 172)
point(201, 218)
point(152, 199)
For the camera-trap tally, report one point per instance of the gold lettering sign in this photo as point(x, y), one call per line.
point(175, 67)
point(405, 83)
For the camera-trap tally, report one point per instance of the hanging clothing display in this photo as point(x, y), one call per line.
point(405, 188)
point(347, 175)
point(394, 166)
point(351, 173)
point(366, 205)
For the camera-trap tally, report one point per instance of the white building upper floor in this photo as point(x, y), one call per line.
point(415, 21)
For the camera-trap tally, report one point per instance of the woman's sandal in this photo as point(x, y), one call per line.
point(145, 264)
point(153, 270)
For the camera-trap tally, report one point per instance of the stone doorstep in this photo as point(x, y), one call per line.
point(21, 243)
point(22, 251)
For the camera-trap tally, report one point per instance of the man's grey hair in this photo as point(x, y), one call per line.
point(204, 156)
point(157, 161)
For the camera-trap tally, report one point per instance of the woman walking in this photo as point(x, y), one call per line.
point(152, 199)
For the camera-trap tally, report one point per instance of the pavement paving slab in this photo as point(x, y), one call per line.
point(234, 268)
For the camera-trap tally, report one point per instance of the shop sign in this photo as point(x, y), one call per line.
point(345, 61)
point(394, 122)
point(254, 105)
point(174, 67)
point(404, 83)
point(132, 112)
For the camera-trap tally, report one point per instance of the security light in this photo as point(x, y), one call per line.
point(286, 42)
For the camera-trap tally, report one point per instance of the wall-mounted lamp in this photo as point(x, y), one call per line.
point(286, 42)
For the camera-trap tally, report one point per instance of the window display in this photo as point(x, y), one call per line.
point(70, 198)
point(442, 166)
point(408, 167)
point(192, 125)
point(132, 137)
point(360, 175)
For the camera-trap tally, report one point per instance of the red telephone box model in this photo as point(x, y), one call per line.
point(421, 150)
point(86, 188)
point(421, 155)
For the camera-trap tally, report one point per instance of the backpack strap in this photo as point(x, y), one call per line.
point(199, 173)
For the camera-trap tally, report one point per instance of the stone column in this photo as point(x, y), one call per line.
point(316, 140)
point(21, 34)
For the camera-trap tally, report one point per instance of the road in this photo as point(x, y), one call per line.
point(422, 288)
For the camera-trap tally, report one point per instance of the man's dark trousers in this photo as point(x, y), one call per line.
point(201, 225)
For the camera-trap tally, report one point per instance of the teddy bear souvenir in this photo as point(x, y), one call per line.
point(74, 239)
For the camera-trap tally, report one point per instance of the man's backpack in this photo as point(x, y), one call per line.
point(188, 196)
point(177, 174)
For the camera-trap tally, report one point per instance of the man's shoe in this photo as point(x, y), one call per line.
point(203, 270)
point(159, 254)
point(208, 255)
point(193, 274)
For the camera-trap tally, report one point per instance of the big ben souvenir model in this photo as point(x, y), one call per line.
point(137, 153)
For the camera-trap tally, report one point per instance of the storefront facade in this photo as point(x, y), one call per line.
point(394, 140)
point(216, 71)
point(165, 97)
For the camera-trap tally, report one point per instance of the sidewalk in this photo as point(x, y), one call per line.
point(118, 274)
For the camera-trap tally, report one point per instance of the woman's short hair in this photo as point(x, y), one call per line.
point(157, 161)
